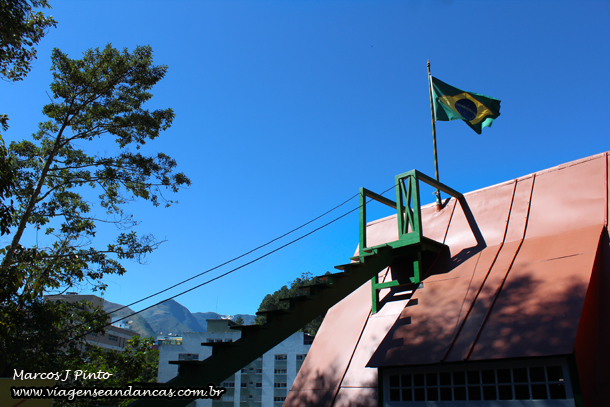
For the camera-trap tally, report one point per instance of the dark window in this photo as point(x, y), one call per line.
point(522, 392)
point(537, 374)
point(420, 394)
point(459, 378)
point(535, 382)
point(473, 377)
point(488, 376)
point(555, 373)
point(505, 392)
point(558, 391)
point(446, 394)
point(520, 375)
point(503, 375)
point(474, 393)
point(459, 393)
point(489, 393)
point(539, 392)
point(394, 394)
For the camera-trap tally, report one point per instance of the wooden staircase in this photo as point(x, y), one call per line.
point(229, 357)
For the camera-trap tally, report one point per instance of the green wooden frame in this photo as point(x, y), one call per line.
point(409, 223)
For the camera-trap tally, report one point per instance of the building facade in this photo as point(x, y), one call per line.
point(264, 382)
point(114, 337)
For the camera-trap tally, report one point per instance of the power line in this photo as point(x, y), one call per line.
point(235, 258)
point(239, 267)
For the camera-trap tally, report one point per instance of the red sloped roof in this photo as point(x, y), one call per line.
point(517, 291)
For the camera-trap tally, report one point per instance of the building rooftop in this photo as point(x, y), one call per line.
point(521, 278)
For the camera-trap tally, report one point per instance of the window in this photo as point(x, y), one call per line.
point(228, 384)
point(244, 370)
point(259, 371)
point(244, 384)
point(188, 356)
point(279, 385)
point(113, 338)
point(228, 340)
point(532, 380)
point(210, 340)
point(301, 357)
point(279, 371)
point(218, 340)
point(281, 357)
point(259, 384)
point(279, 398)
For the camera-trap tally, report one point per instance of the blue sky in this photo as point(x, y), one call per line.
point(285, 108)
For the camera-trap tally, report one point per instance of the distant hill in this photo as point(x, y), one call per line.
point(139, 324)
point(170, 317)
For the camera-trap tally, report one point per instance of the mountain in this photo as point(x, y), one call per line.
point(139, 324)
point(170, 317)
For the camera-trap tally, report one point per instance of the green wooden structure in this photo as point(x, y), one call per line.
point(411, 246)
point(410, 231)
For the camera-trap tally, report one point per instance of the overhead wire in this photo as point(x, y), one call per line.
point(235, 258)
point(236, 268)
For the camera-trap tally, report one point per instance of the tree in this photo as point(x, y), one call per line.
point(21, 29)
point(272, 301)
point(61, 189)
point(239, 321)
point(138, 363)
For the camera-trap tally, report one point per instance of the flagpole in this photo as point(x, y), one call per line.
point(439, 205)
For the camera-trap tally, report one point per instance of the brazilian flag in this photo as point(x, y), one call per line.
point(451, 103)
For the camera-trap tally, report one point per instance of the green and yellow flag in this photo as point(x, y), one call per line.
point(451, 103)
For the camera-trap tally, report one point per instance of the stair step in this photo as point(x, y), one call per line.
point(220, 344)
point(271, 314)
point(314, 286)
point(250, 330)
point(297, 299)
point(329, 278)
point(189, 362)
point(347, 266)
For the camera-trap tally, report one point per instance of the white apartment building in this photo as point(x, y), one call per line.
point(262, 383)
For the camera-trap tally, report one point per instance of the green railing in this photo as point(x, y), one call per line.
point(409, 223)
